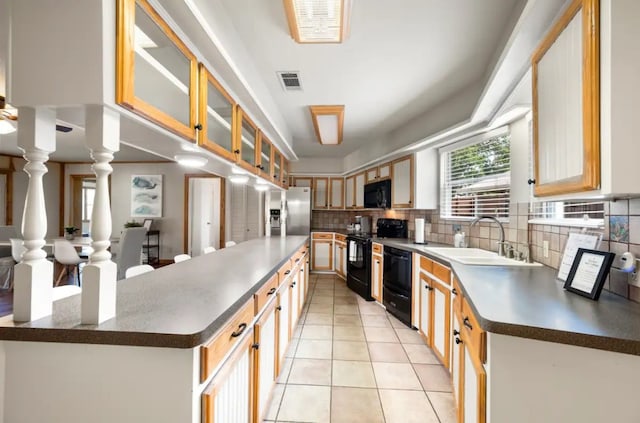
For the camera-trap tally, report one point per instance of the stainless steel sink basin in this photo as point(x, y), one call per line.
point(476, 256)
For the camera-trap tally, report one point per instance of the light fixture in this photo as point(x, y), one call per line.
point(238, 179)
point(512, 113)
point(6, 127)
point(190, 160)
point(327, 122)
point(261, 187)
point(318, 21)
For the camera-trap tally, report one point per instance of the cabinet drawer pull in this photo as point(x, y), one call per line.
point(454, 291)
point(287, 272)
point(240, 330)
point(456, 332)
point(236, 151)
point(466, 323)
point(458, 341)
point(428, 288)
point(297, 260)
point(279, 308)
point(271, 291)
point(293, 284)
point(531, 181)
point(255, 346)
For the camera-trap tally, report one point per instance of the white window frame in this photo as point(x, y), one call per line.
point(498, 132)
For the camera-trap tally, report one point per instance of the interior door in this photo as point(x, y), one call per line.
point(204, 214)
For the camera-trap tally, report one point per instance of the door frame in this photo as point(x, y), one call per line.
point(185, 229)
point(72, 194)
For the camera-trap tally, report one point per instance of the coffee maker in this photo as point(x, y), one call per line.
point(362, 224)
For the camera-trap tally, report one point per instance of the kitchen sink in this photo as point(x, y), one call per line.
point(477, 256)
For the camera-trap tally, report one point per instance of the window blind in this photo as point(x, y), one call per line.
point(476, 179)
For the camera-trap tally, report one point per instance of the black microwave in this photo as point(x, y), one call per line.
point(377, 195)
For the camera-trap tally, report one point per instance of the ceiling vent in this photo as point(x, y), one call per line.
point(290, 80)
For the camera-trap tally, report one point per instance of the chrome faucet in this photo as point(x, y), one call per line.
point(502, 245)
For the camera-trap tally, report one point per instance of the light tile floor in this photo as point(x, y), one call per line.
point(350, 361)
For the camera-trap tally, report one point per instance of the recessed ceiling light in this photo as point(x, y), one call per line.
point(190, 160)
point(328, 122)
point(318, 21)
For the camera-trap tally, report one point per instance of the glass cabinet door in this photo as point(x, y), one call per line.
point(264, 161)
point(277, 159)
point(156, 73)
point(216, 116)
point(246, 142)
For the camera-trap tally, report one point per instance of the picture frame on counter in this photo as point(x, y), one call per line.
point(588, 272)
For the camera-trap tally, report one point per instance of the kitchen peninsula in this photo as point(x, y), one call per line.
point(158, 359)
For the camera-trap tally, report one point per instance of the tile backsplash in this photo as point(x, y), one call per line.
point(621, 233)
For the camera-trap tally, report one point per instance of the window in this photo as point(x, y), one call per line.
point(88, 194)
point(568, 213)
point(475, 177)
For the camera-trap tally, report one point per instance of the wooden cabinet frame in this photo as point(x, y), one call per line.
point(394, 203)
point(330, 193)
point(316, 192)
point(265, 173)
point(125, 70)
point(203, 135)
point(241, 117)
point(590, 178)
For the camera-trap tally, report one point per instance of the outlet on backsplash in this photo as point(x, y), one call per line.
point(456, 227)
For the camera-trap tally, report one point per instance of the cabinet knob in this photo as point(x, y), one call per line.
point(456, 332)
point(427, 287)
point(198, 127)
point(255, 346)
point(531, 181)
point(271, 291)
point(236, 151)
point(458, 341)
point(377, 261)
point(293, 284)
point(287, 272)
point(454, 292)
point(279, 308)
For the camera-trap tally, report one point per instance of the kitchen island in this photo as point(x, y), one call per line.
point(176, 329)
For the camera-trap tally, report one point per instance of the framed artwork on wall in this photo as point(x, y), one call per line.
point(146, 195)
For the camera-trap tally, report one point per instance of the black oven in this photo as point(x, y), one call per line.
point(396, 281)
point(359, 265)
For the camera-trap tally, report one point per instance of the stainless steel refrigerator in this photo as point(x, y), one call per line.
point(298, 211)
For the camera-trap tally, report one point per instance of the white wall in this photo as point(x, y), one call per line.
point(316, 166)
point(172, 221)
point(520, 152)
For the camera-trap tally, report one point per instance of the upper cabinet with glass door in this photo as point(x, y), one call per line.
point(216, 116)
point(263, 162)
point(566, 103)
point(246, 141)
point(156, 73)
point(277, 166)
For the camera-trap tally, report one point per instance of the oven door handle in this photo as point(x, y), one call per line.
point(394, 291)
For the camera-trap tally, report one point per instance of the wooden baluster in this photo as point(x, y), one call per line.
point(100, 275)
point(33, 277)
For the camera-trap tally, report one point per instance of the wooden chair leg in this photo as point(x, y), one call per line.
point(62, 271)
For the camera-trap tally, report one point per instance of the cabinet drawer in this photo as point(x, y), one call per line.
point(217, 347)
point(341, 238)
point(284, 271)
point(477, 336)
point(321, 235)
point(426, 264)
point(265, 293)
point(377, 248)
point(442, 272)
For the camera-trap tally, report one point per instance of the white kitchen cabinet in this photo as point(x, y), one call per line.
point(359, 190)
point(302, 181)
point(472, 385)
point(336, 190)
point(426, 308)
point(228, 398)
point(302, 285)
point(350, 193)
point(371, 174)
point(402, 182)
point(456, 353)
point(441, 322)
point(340, 258)
point(322, 254)
point(384, 171)
point(265, 344)
point(282, 314)
point(320, 193)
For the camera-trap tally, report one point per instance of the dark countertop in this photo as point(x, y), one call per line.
point(176, 306)
point(532, 303)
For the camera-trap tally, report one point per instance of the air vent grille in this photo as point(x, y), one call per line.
point(290, 80)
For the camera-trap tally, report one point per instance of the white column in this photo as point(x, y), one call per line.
point(100, 275)
point(33, 278)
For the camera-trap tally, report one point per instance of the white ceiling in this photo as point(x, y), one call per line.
point(397, 63)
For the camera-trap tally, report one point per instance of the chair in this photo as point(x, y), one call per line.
point(208, 250)
point(67, 255)
point(130, 249)
point(137, 270)
point(229, 243)
point(181, 257)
